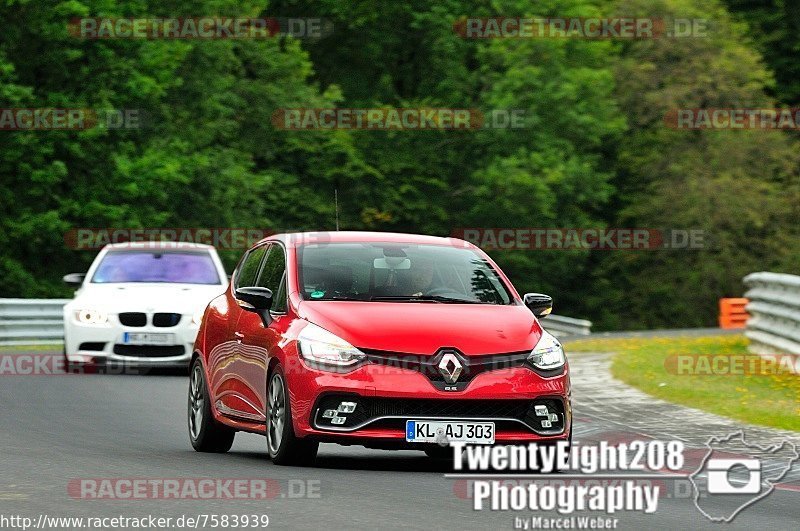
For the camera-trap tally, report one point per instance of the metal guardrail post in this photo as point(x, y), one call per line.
point(31, 321)
point(561, 326)
point(774, 325)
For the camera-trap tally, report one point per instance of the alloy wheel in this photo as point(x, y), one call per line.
point(196, 402)
point(277, 412)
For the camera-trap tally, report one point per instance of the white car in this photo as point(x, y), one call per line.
point(140, 304)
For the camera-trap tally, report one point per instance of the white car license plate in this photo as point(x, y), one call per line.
point(148, 338)
point(435, 431)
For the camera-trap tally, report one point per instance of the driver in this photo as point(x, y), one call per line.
point(421, 277)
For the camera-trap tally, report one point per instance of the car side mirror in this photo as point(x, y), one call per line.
point(540, 304)
point(257, 300)
point(74, 279)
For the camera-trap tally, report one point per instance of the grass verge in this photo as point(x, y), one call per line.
point(768, 397)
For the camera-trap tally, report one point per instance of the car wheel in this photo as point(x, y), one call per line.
point(285, 448)
point(205, 433)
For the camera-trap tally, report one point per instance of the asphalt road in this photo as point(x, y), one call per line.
point(56, 430)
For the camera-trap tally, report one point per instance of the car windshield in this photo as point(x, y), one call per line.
point(398, 272)
point(157, 266)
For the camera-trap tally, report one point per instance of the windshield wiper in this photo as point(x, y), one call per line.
point(336, 298)
point(422, 298)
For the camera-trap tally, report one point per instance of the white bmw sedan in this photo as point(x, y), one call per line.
point(140, 304)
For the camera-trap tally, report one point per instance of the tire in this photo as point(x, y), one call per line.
point(284, 447)
point(205, 433)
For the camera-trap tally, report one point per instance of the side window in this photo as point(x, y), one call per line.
point(272, 277)
point(249, 268)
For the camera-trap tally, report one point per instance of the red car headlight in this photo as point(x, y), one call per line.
point(327, 350)
point(548, 353)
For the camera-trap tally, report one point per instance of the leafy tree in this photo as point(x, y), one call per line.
point(739, 187)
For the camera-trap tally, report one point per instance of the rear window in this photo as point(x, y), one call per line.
point(157, 266)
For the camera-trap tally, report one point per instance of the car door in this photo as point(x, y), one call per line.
point(260, 343)
point(223, 359)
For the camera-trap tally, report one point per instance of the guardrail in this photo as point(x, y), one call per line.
point(31, 321)
point(774, 325)
point(40, 321)
point(561, 326)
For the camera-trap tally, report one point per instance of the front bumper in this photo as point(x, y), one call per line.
point(387, 398)
point(103, 344)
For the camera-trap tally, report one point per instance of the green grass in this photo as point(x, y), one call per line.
point(29, 348)
point(762, 398)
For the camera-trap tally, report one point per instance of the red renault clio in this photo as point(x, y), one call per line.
point(383, 340)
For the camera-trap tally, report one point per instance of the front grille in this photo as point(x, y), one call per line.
point(149, 351)
point(166, 320)
point(133, 319)
point(429, 365)
point(386, 407)
point(369, 409)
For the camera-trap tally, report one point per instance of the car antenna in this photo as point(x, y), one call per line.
point(336, 206)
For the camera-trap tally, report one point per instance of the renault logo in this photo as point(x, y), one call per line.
point(450, 367)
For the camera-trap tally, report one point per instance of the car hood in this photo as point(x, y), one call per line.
point(140, 297)
point(424, 328)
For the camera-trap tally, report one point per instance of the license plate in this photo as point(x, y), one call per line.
point(435, 431)
point(147, 338)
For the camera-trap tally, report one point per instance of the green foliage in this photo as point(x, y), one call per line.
point(775, 28)
point(594, 150)
point(739, 187)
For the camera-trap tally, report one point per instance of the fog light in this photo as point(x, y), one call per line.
point(338, 420)
point(545, 424)
point(347, 407)
point(541, 411)
point(329, 413)
point(553, 417)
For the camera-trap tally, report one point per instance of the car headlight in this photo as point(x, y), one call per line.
point(197, 318)
point(88, 316)
point(548, 353)
point(321, 347)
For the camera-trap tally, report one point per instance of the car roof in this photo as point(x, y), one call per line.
point(161, 246)
point(296, 239)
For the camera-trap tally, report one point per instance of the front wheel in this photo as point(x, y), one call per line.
point(205, 433)
point(285, 448)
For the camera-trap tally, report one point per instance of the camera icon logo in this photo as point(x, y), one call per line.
point(735, 474)
point(721, 478)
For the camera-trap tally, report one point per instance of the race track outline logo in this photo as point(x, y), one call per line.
point(733, 476)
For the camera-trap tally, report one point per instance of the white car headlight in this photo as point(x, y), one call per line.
point(89, 316)
point(548, 354)
point(319, 346)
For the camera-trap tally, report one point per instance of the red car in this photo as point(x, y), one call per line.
point(383, 340)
